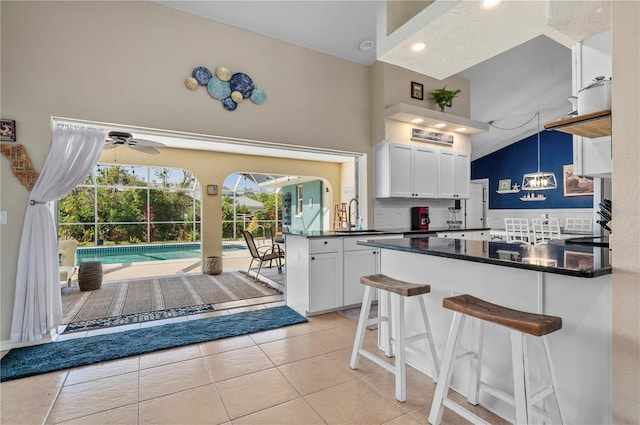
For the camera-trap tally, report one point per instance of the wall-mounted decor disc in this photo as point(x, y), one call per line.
point(202, 75)
point(218, 89)
point(258, 96)
point(223, 73)
point(242, 83)
point(229, 104)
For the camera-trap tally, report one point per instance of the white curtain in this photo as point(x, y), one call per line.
point(37, 307)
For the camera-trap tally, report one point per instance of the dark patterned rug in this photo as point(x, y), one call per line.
point(141, 300)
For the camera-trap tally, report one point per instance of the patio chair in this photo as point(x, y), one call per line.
point(67, 257)
point(263, 254)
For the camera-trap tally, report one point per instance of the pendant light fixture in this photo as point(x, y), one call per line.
point(540, 180)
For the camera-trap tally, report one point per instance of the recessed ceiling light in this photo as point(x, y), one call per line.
point(490, 3)
point(417, 47)
point(440, 125)
point(366, 45)
point(417, 120)
point(461, 129)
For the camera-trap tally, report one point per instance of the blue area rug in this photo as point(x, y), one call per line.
point(44, 358)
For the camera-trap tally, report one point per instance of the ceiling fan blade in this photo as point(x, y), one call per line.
point(144, 149)
point(145, 142)
point(110, 146)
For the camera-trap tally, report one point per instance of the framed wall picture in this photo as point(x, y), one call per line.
point(212, 189)
point(7, 130)
point(573, 185)
point(504, 184)
point(417, 91)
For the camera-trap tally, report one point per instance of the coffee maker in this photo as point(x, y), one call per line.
point(420, 218)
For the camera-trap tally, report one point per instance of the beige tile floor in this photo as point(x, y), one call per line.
point(293, 375)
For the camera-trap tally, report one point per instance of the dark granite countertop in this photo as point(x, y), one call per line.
point(559, 258)
point(372, 232)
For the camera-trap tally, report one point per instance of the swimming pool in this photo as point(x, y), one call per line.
point(138, 253)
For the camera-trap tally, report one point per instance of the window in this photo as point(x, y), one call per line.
point(300, 199)
point(118, 204)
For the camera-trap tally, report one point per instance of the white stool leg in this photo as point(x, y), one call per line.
point(547, 353)
point(446, 370)
point(429, 343)
point(475, 367)
point(388, 349)
point(362, 326)
point(517, 359)
point(401, 366)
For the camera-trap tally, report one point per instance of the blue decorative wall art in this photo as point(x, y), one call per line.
point(229, 88)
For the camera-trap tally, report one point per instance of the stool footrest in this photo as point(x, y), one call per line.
point(542, 394)
point(507, 398)
point(377, 360)
point(417, 337)
point(463, 412)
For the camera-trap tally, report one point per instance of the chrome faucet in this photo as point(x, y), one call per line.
point(349, 223)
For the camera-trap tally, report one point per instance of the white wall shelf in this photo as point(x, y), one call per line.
point(408, 113)
point(508, 191)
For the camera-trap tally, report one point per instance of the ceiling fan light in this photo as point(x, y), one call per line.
point(488, 4)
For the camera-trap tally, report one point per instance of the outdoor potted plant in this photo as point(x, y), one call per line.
point(442, 97)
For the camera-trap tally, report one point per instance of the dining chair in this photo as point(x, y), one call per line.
point(545, 229)
point(517, 230)
point(262, 254)
point(574, 224)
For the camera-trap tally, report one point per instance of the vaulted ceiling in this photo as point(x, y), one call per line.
point(517, 55)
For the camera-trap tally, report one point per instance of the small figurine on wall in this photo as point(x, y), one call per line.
point(7, 130)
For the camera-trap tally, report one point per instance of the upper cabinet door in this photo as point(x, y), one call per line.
point(447, 188)
point(401, 167)
point(461, 175)
point(425, 172)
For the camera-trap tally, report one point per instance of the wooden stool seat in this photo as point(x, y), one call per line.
point(395, 286)
point(399, 290)
point(530, 323)
point(519, 323)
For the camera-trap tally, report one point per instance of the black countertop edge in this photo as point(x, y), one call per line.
point(381, 232)
point(449, 252)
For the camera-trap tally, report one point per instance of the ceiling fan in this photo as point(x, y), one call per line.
point(118, 138)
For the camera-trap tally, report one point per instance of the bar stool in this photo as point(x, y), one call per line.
point(400, 290)
point(520, 323)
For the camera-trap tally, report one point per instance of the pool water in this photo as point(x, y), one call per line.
point(138, 253)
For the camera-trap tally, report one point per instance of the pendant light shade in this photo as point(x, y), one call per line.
point(540, 180)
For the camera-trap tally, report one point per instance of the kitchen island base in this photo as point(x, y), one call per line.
point(581, 350)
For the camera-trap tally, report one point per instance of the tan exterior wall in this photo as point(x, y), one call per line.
point(626, 211)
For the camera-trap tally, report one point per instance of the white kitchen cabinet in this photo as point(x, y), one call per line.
point(405, 171)
point(325, 281)
point(455, 171)
point(323, 274)
point(358, 261)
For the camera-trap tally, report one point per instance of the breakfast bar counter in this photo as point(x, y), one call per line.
point(569, 281)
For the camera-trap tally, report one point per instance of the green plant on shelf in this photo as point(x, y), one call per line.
point(442, 97)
